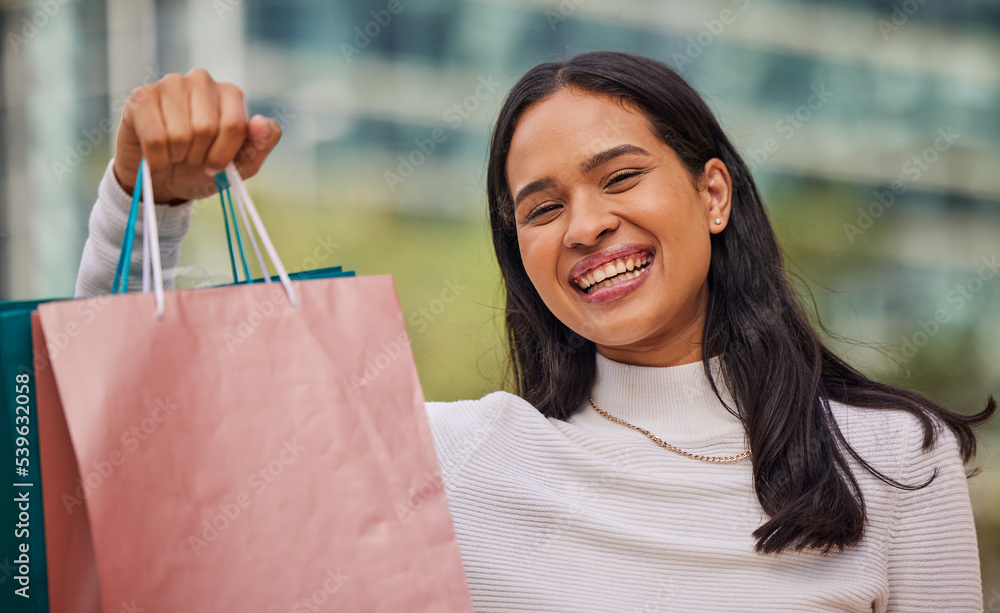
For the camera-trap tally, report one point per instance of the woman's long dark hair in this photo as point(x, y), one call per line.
point(778, 369)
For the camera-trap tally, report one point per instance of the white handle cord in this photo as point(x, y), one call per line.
point(151, 240)
point(246, 223)
point(246, 206)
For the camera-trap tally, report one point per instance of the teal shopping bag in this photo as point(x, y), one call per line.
point(23, 578)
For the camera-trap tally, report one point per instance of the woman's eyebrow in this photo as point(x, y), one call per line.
point(531, 188)
point(609, 154)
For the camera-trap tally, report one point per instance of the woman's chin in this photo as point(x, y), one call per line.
point(617, 340)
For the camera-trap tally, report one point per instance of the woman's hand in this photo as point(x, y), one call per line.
point(189, 128)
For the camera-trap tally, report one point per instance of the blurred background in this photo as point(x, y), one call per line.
point(872, 127)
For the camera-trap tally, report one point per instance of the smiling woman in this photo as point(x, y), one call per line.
point(681, 438)
point(598, 209)
point(617, 165)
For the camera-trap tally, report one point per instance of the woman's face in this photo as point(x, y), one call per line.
point(613, 233)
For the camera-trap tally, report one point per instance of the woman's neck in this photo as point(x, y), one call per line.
point(676, 403)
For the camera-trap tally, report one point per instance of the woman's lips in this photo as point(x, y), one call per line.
point(590, 264)
point(613, 272)
point(603, 291)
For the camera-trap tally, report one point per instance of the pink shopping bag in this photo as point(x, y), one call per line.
point(254, 449)
point(235, 455)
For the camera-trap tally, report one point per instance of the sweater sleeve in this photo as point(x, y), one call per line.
point(106, 230)
point(933, 556)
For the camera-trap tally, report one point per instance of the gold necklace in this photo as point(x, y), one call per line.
point(666, 445)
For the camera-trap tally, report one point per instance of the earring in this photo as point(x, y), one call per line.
point(718, 221)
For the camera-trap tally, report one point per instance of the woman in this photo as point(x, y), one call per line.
point(681, 439)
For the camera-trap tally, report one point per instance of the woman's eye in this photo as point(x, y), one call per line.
point(623, 175)
point(541, 210)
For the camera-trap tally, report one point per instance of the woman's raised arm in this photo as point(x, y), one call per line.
point(188, 127)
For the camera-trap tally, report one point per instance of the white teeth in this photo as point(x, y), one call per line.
point(613, 273)
point(613, 281)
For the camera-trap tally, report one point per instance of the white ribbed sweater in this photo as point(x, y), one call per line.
point(585, 515)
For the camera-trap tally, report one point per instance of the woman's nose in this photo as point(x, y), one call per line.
point(589, 219)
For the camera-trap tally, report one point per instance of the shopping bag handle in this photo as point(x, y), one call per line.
point(120, 283)
point(143, 188)
point(222, 181)
point(245, 206)
point(223, 184)
point(152, 270)
point(150, 240)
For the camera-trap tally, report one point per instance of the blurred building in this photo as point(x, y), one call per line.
point(873, 126)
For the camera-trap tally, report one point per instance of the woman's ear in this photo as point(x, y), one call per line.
point(717, 193)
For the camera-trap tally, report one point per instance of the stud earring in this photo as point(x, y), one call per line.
point(718, 221)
